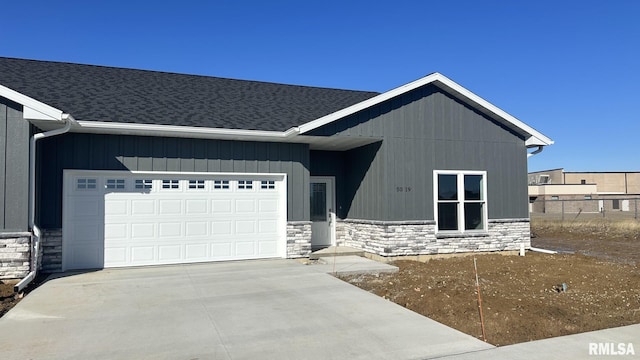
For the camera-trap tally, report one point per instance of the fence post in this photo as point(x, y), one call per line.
point(636, 206)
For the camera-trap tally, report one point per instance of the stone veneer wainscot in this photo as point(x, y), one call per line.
point(298, 239)
point(402, 238)
point(15, 255)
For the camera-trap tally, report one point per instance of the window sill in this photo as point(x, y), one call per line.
point(445, 235)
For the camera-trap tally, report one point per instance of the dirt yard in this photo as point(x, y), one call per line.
point(522, 297)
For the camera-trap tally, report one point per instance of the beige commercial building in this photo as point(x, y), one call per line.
point(583, 191)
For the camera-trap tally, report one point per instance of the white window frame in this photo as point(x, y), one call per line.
point(460, 201)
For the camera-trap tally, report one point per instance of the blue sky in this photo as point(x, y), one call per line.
point(570, 69)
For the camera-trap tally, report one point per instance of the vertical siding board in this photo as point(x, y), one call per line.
point(226, 155)
point(200, 155)
point(173, 151)
point(158, 157)
point(186, 155)
point(143, 152)
point(3, 161)
point(17, 171)
point(129, 158)
point(214, 162)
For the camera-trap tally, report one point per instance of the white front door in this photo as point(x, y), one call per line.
point(322, 211)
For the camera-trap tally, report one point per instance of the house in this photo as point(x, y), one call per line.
point(109, 167)
point(559, 191)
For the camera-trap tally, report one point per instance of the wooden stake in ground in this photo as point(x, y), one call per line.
point(475, 266)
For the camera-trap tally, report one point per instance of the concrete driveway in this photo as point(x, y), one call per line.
point(277, 309)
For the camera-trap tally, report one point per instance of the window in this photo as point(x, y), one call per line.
point(143, 183)
point(196, 184)
point(170, 184)
point(114, 184)
point(84, 184)
point(267, 184)
point(587, 197)
point(583, 181)
point(616, 204)
point(245, 184)
point(220, 184)
point(461, 201)
point(555, 197)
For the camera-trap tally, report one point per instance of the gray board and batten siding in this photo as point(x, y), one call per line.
point(139, 153)
point(423, 130)
point(14, 168)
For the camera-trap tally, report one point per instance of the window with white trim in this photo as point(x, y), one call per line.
point(245, 184)
point(461, 204)
point(196, 184)
point(170, 184)
point(144, 183)
point(114, 184)
point(267, 184)
point(86, 184)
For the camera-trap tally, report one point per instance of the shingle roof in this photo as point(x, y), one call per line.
point(99, 93)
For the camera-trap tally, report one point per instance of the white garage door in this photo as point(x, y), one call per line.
point(114, 219)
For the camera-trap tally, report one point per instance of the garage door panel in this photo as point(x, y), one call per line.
point(169, 252)
point(221, 249)
point(170, 207)
point(115, 255)
point(244, 227)
point(221, 227)
point(267, 247)
point(143, 207)
point(196, 229)
point(245, 248)
point(87, 256)
point(222, 206)
point(194, 207)
point(169, 229)
point(158, 219)
point(244, 206)
point(115, 231)
point(142, 254)
point(86, 232)
point(268, 206)
point(196, 251)
point(86, 207)
point(143, 230)
point(116, 207)
point(268, 226)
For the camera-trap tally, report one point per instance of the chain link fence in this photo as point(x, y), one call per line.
point(570, 209)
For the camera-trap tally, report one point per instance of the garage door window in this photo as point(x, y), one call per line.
point(86, 184)
point(245, 184)
point(196, 184)
point(170, 184)
point(114, 184)
point(144, 184)
point(220, 184)
point(267, 184)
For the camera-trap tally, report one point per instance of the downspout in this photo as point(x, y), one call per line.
point(35, 245)
point(537, 151)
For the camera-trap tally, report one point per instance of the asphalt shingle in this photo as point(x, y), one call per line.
point(99, 93)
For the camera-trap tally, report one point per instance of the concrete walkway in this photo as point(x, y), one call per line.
point(602, 344)
point(276, 309)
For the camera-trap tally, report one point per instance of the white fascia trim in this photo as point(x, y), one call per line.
point(180, 131)
point(536, 139)
point(34, 109)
